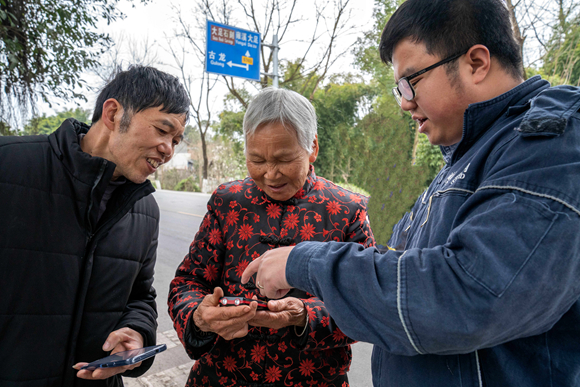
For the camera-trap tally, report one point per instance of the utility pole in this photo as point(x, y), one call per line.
point(275, 48)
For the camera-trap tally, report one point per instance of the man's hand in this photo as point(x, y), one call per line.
point(281, 313)
point(120, 340)
point(230, 322)
point(271, 272)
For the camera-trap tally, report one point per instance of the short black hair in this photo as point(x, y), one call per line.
point(449, 27)
point(143, 87)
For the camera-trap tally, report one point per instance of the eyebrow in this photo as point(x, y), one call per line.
point(276, 155)
point(167, 123)
point(408, 71)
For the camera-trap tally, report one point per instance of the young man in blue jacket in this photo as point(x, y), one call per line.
point(78, 235)
point(481, 287)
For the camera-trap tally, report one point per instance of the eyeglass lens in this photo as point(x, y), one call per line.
point(406, 89)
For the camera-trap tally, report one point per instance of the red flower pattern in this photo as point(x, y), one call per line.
point(258, 353)
point(241, 267)
point(273, 374)
point(210, 273)
point(232, 217)
point(229, 363)
point(307, 231)
point(282, 347)
point(222, 249)
point(235, 188)
point(291, 221)
point(273, 210)
point(215, 236)
point(355, 198)
point(246, 232)
point(333, 207)
point(306, 367)
point(338, 335)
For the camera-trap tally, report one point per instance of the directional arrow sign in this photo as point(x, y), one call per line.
point(232, 51)
point(244, 66)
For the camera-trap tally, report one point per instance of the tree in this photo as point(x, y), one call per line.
point(387, 168)
point(337, 106)
point(6, 130)
point(329, 21)
point(48, 124)
point(562, 57)
point(548, 33)
point(45, 45)
point(388, 174)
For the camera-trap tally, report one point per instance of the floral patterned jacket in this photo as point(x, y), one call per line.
point(241, 224)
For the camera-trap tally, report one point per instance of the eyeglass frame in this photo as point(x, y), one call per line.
point(397, 93)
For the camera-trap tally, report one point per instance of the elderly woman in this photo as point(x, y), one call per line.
point(294, 342)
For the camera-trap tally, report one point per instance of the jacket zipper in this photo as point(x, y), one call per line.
point(97, 181)
point(478, 369)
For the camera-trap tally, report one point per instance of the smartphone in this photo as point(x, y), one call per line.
point(235, 301)
point(129, 357)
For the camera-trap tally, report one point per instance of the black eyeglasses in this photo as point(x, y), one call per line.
point(404, 89)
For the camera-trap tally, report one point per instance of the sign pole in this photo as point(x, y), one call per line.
point(275, 48)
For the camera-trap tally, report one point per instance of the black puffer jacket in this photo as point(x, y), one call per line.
point(66, 280)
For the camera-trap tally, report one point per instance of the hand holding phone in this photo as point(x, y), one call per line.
point(121, 340)
point(124, 358)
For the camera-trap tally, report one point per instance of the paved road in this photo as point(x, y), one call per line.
point(181, 215)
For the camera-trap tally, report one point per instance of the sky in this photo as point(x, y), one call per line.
point(154, 25)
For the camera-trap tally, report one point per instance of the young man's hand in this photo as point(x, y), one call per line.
point(271, 272)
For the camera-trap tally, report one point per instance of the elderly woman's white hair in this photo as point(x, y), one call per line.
point(286, 107)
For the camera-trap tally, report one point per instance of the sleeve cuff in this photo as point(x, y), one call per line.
point(195, 337)
point(297, 266)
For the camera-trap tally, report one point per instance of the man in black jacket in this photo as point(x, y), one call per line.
point(78, 235)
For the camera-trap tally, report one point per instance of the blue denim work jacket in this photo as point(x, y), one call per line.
point(483, 285)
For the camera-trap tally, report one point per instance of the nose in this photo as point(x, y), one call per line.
point(408, 105)
point(272, 172)
point(166, 149)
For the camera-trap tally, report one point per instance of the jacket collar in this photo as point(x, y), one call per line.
point(95, 173)
point(308, 184)
point(481, 116)
point(65, 144)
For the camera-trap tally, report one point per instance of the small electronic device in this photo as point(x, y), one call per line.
point(124, 358)
point(235, 301)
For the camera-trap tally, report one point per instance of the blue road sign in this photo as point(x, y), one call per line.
point(232, 51)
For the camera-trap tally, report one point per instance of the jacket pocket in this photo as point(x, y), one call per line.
point(504, 235)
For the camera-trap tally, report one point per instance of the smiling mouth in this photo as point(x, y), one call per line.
point(155, 164)
point(277, 187)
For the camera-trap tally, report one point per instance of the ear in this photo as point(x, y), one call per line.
point(314, 154)
point(479, 60)
point(112, 113)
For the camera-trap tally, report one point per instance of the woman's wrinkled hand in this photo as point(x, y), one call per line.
point(230, 322)
point(281, 313)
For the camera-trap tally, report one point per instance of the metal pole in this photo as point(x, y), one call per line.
point(276, 48)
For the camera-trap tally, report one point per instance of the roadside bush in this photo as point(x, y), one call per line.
point(171, 177)
point(355, 189)
point(188, 185)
